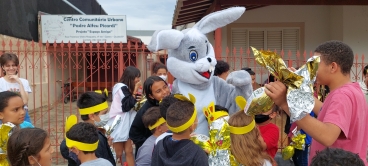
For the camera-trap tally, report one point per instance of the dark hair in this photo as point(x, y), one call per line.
point(165, 104)
point(83, 132)
point(147, 87)
point(365, 70)
point(6, 57)
point(4, 99)
point(151, 116)
point(128, 77)
point(157, 66)
point(23, 143)
point(249, 70)
point(338, 52)
point(276, 109)
point(221, 67)
point(220, 108)
point(336, 157)
point(90, 99)
point(179, 113)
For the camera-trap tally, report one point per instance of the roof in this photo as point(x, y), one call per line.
point(189, 11)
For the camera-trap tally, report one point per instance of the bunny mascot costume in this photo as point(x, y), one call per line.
point(191, 60)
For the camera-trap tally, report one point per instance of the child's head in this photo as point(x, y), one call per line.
point(159, 69)
point(153, 120)
point(29, 146)
point(336, 59)
point(245, 140)
point(93, 108)
point(336, 157)
point(365, 75)
point(11, 108)
point(165, 104)
point(222, 69)
point(267, 116)
point(9, 63)
point(130, 77)
point(181, 118)
point(82, 139)
point(251, 73)
point(155, 89)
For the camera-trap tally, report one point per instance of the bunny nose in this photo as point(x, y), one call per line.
point(209, 60)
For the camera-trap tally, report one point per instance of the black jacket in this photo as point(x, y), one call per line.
point(138, 133)
point(102, 151)
point(169, 152)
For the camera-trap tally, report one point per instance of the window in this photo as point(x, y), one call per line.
point(266, 38)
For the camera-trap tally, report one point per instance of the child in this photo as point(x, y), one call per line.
point(159, 69)
point(155, 89)
point(222, 69)
point(341, 122)
point(93, 109)
point(82, 141)
point(246, 141)
point(11, 108)
point(153, 120)
point(164, 105)
point(178, 149)
point(335, 156)
point(269, 131)
point(30, 146)
point(255, 85)
point(11, 82)
point(124, 96)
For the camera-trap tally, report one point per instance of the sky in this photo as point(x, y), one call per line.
point(142, 14)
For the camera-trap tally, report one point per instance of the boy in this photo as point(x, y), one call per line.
point(178, 149)
point(269, 131)
point(336, 157)
point(153, 120)
point(82, 141)
point(93, 109)
point(164, 105)
point(341, 122)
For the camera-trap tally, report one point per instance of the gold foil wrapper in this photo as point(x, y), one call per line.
point(260, 102)
point(202, 141)
point(5, 131)
point(298, 142)
point(139, 104)
point(220, 141)
point(300, 85)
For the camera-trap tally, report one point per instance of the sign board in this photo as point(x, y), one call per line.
point(87, 28)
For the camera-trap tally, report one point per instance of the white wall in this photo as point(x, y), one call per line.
point(355, 31)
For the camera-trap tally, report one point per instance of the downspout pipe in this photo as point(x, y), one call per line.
point(71, 5)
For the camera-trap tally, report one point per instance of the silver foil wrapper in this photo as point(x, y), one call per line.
point(300, 100)
point(110, 128)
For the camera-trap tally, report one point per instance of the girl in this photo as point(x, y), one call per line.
point(11, 108)
point(124, 97)
point(159, 69)
point(29, 146)
point(155, 89)
point(11, 82)
point(247, 145)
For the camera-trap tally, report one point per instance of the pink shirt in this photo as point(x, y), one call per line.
point(346, 108)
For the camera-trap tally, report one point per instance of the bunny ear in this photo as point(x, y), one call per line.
point(241, 102)
point(70, 121)
point(211, 107)
point(219, 19)
point(165, 39)
point(105, 91)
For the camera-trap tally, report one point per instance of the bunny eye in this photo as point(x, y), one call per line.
point(193, 55)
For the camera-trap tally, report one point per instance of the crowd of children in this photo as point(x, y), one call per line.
point(162, 129)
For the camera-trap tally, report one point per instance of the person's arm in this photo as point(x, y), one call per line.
point(325, 132)
point(22, 90)
point(128, 100)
